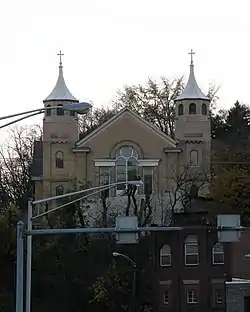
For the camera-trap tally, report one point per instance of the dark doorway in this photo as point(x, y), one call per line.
point(247, 304)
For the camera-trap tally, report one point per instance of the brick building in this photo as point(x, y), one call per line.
point(190, 267)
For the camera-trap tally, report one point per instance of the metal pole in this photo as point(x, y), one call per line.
point(134, 289)
point(28, 259)
point(19, 268)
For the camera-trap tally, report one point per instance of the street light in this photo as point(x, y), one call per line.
point(30, 218)
point(117, 254)
point(80, 108)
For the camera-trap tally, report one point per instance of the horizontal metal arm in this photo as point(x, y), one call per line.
point(69, 203)
point(100, 187)
point(25, 113)
point(20, 119)
point(136, 230)
point(99, 230)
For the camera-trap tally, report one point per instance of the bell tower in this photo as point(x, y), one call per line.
point(193, 124)
point(58, 123)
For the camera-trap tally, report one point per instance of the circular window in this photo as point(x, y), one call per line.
point(127, 152)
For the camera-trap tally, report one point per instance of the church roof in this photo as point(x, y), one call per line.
point(60, 91)
point(192, 90)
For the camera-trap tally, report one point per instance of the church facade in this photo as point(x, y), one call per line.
point(122, 149)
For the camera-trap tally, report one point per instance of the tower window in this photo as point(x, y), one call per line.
point(194, 158)
point(59, 190)
point(192, 109)
point(72, 113)
point(59, 110)
point(59, 160)
point(204, 109)
point(180, 109)
point(48, 110)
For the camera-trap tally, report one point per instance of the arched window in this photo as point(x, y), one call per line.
point(180, 109)
point(218, 253)
point(72, 113)
point(59, 110)
point(204, 109)
point(194, 158)
point(59, 190)
point(165, 256)
point(126, 166)
point(191, 250)
point(192, 109)
point(48, 111)
point(59, 160)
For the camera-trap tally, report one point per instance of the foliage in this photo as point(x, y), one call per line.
point(231, 188)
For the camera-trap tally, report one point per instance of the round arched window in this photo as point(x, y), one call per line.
point(126, 165)
point(180, 109)
point(192, 109)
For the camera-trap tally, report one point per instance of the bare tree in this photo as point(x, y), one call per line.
point(185, 185)
point(15, 166)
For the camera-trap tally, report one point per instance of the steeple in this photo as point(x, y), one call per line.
point(192, 90)
point(60, 91)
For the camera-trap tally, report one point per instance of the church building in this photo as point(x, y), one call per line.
point(121, 149)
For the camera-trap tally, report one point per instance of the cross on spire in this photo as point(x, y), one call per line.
point(60, 57)
point(191, 53)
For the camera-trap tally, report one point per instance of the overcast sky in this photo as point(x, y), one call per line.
point(110, 43)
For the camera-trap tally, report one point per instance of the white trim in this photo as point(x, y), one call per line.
point(148, 162)
point(112, 162)
point(36, 178)
point(217, 253)
point(187, 254)
point(166, 254)
point(166, 297)
point(193, 298)
point(104, 162)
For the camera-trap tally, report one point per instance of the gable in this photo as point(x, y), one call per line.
point(128, 114)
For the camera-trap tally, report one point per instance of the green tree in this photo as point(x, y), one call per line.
point(231, 190)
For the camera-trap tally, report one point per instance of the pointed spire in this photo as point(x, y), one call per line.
point(192, 90)
point(60, 91)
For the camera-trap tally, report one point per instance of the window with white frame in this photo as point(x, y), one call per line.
point(165, 256)
point(194, 158)
point(192, 296)
point(126, 166)
point(148, 180)
point(218, 253)
point(218, 296)
point(191, 250)
point(166, 297)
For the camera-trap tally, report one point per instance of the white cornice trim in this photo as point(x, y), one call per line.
point(148, 162)
point(36, 178)
point(112, 162)
point(104, 162)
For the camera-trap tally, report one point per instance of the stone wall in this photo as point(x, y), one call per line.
point(236, 291)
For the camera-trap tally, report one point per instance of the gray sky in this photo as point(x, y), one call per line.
point(110, 43)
